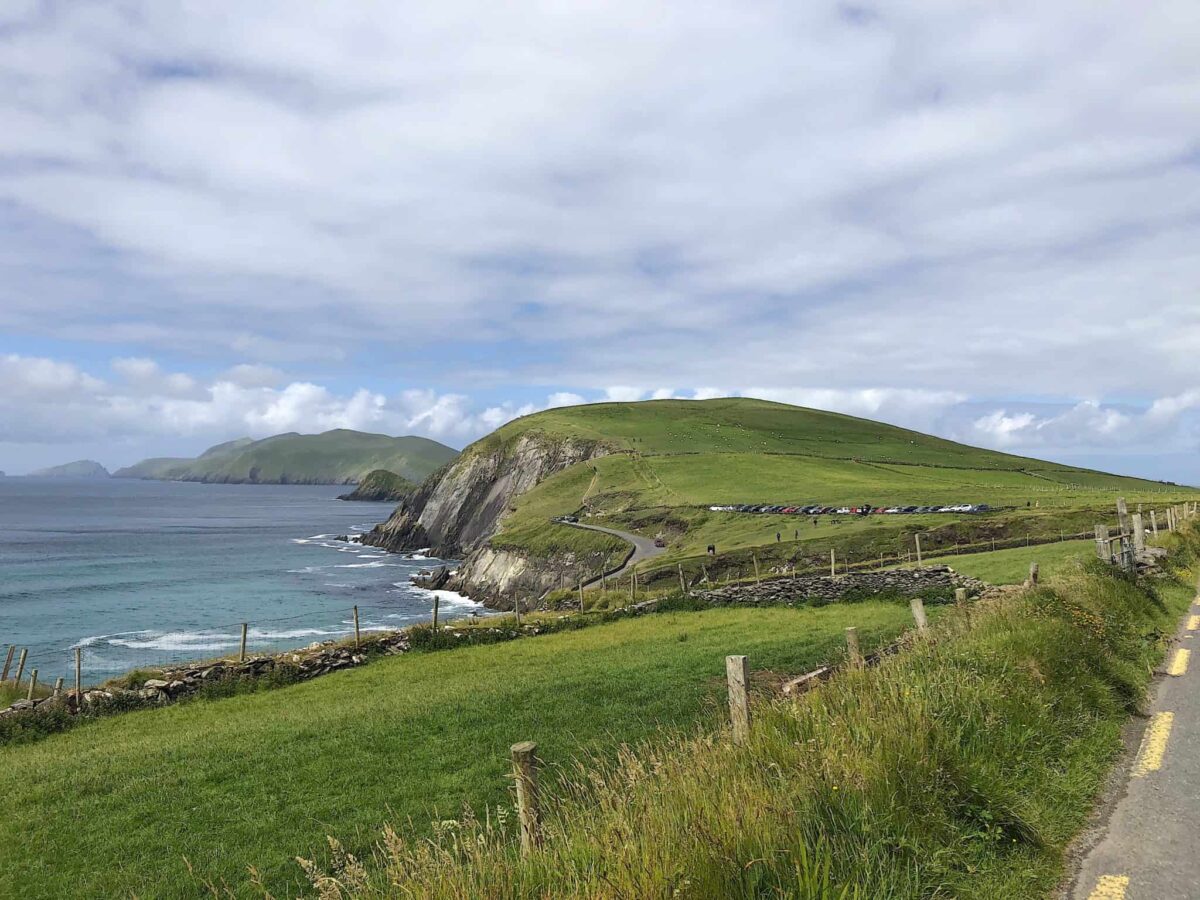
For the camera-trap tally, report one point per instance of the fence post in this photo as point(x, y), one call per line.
point(682, 583)
point(525, 772)
point(1102, 551)
point(12, 648)
point(78, 675)
point(21, 664)
point(58, 687)
point(517, 608)
point(631, 577)
point(832, 563)
point(737, 673)
point(1139, 533)
point(1033, 574)
point(358, 634)
point(1123, 515)
point(918, 611)
point(960, 596)
point(32, 683)
point(918, 540)
point(757, 580)
point(1154, 523)
point(242, 650)
point(581, 595)
point(437, 609)
point(855, 655)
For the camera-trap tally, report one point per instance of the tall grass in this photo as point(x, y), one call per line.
point(960, 767)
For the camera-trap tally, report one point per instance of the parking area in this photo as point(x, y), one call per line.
point(865, 509)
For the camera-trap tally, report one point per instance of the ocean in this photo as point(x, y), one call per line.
point(143, 573)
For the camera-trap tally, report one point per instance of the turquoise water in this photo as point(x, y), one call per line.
point(139, 573)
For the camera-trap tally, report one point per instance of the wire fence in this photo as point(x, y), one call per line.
point(107, 656)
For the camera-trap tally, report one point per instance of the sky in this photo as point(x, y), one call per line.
point(220, 218)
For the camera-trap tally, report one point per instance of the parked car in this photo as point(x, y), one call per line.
point(660, 542)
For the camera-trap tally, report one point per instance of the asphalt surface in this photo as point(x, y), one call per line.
point(1149, 848)
point(643, 547)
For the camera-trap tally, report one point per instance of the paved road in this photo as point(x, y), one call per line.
point(1148, 851)
point(643, 548)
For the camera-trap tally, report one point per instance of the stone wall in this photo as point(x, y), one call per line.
point(817, 589)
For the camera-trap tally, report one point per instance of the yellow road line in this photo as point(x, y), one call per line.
point(1110, 887)
point(1154, 745)
point(1180, 662)
point(1193, 623)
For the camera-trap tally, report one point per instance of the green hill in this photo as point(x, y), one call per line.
point(334, 457)
point(655, 468)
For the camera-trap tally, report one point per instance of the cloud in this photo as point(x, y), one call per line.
point(947, 195)
point(1165, 424)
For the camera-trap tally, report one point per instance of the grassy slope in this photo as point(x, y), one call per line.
point(254, 780)
point(680, 456)
point(961, 768)
point(1012, 566)
point(334, 456)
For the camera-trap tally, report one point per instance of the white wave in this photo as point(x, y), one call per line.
point(453, 598)
point(307, 570)
point(367, 565)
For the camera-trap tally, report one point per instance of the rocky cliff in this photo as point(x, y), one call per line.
point(458, 508)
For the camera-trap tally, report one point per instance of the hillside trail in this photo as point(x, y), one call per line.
point(1145, 847)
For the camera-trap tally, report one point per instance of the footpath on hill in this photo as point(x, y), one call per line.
point(1147, 848)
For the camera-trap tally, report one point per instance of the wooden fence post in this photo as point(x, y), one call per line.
point(918, 610)
point(437, 610)
point(242, 651)
point(832, 563)
point(79, 674)
point(1123, 515)
point(517, 608)
point(737, 673)
point(357, 633)
point(1154, 522)
point(21, 664)
point(58, 687)
point(918, 540)
point(1102, 549)
point(757, 579)
point(1033, 574)
point(1139, 533)
point(855, 654)
point(682, 583)
point(631, 586)
point(32, 683)
point(525, 772)
point(581, 595)
point(12, 648)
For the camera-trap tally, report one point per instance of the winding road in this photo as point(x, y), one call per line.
point(643, 548)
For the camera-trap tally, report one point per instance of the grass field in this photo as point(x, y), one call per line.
point(113, 807)
point(961, 767)
point(1012, 566)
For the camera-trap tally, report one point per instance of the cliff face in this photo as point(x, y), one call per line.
point(458, 508)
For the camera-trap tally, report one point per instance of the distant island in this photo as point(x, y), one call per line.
point(81, 468)
point(340, 456)
point(381, 485)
